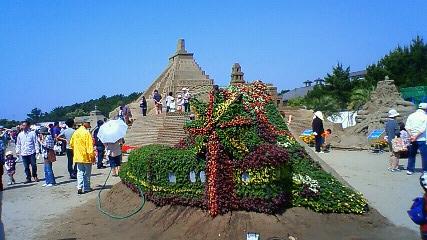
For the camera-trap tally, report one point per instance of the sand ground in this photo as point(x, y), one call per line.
point(26, 208)
point(30, 211)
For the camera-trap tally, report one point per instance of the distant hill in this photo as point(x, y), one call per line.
point(104, 104)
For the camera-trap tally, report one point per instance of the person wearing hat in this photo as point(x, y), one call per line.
point(82, 144)
point(186, 97)
point(392, 130)
point(47, 143)
point(10, 163)
point(416, 125)
point(317, 126)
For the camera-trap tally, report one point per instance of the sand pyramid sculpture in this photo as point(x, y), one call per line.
point(374, 113)
point(182, 71)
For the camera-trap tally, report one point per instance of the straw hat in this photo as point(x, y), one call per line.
point(393, 113)
point(318, 114)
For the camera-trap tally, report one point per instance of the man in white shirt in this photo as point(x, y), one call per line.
point(27, 147)
point(416, 125)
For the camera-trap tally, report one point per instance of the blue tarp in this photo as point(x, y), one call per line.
point(375, 134)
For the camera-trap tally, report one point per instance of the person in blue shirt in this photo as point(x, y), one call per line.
point(100, 148)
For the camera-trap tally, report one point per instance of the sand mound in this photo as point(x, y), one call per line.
point(175, 222)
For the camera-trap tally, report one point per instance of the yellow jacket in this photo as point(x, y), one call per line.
point(82, 144)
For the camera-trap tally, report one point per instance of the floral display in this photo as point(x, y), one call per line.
point(379, 144)
point(238, 155)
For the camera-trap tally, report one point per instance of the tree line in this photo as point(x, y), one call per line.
point(104, 104)
point(407, 66)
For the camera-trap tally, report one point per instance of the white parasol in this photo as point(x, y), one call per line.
point(112, 131)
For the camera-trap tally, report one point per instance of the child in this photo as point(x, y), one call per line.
point(10, 163)
point(325, 135)
point(47, 143)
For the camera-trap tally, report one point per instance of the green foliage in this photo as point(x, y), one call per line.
point(76, 113)
point(407, 66)
point(150, 166)
point(358, 98)
point(274, 116)
point(8, 123)
point(297, 102)
point(338, 85)
point(333, 197)
point(36, 115)
point(104, 104)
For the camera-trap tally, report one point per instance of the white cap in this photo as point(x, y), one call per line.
point(393, 113)
point(9, 153)
point(423, 106)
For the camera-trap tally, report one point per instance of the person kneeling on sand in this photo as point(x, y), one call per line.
point(84, 156)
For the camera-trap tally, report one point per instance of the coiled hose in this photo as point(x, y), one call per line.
point(118, 217)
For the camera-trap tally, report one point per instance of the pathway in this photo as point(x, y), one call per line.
point(391, 193)
point(26, 207)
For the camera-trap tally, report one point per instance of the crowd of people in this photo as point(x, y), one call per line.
point(407, 139)
point(180, 103)
point(82, 147)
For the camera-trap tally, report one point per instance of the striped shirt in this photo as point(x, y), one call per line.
point(47, 143)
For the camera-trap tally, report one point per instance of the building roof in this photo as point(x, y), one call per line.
point(297, 92)
point(361, 73)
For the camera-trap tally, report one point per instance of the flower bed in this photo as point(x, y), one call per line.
point(238, 155)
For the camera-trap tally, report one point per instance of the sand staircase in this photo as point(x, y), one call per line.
point(164, 128)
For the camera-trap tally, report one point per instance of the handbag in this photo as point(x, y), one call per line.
point(398, 145)
point(51, 156)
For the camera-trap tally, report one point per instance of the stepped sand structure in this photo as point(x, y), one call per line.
point(167, 128)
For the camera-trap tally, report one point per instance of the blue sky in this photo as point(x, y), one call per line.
point(55, 53)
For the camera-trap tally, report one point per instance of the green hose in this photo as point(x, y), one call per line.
point(99, 205)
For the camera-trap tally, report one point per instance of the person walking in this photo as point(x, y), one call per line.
point(100, 148)
point(317, 126)
point(10, 164)
point(157, 101)
point(392, 130)
point(26, 148)
point(82, 144)
point(143, 106)
point(65, 136)
point(47, 143)
point(416, 126)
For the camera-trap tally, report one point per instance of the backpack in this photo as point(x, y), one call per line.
point(416, 212)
